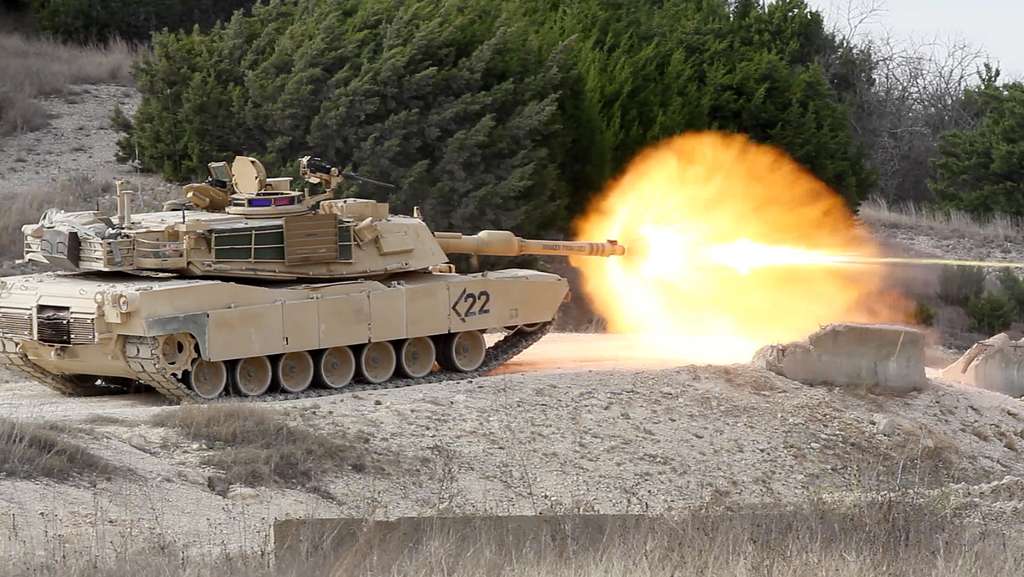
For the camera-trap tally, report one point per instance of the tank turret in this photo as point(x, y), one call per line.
point(239, 223)
point(378, 300)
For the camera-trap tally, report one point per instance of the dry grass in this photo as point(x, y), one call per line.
point(31, 68)
point(259, 448)
point(33, 450)
point(888, 536)
point(162, 556)
point(941, 223)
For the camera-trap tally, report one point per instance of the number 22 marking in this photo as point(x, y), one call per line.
point(477, 303)
point(482, 298)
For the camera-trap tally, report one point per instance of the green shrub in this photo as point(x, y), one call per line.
point(991, 314)
point(923, 314)
point(490, 113)
point(981, 169)
point(958, 285)
point(1013, 288)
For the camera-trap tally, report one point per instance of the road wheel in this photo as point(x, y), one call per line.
point(335, 367)
point(463, 352)
point(377, 362)
point(208, 378)
point(252, 376)
point(416, 357)
point(294, 371)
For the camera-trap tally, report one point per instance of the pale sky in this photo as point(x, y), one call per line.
point(997, 26)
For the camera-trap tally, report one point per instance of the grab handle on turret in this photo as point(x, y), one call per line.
point(504, 243)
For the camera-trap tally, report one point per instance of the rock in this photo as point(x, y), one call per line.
point(886, 426)
point(1008, 489)
point(243, 494)
point(218, 485)
point(995, 364)
point(192, 477)
point(882, 358)
point(137, 441)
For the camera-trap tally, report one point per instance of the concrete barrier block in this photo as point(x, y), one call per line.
point(882, 358)
point(995, 364)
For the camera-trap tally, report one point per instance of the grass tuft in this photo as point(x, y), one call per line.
point(34, 450)
point(258, 448)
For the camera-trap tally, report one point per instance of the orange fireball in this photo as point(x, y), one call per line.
point(732, 245)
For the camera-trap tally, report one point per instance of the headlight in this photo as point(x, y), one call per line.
point(125, 302)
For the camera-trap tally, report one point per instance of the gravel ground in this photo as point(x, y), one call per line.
point(934, 242)
point(657, 440)
point(78, 141)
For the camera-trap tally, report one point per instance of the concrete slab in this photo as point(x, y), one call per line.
point(881, 358)
point(995, 364)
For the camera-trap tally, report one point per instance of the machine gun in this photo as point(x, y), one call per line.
point(316, 170)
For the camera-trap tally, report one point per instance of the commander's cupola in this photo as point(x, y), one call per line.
point(257, 196)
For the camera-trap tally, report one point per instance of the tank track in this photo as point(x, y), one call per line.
point(142, 355)
point(12, 358)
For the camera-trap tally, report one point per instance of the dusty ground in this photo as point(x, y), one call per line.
point(933, 242)
point(79, 140)
point(566, 439)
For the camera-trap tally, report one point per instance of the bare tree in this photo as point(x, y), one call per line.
point(918, 95)
point(911, 95)
point(851, 19)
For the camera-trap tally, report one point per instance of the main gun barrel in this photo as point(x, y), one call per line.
point(504, 243)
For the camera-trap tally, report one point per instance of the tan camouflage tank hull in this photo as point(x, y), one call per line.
point(201, 340)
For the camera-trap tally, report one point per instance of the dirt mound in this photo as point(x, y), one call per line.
point(609, 441)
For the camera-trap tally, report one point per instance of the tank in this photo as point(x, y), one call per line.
point(248, 289)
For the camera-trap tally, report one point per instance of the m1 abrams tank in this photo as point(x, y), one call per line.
point(248, 289)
